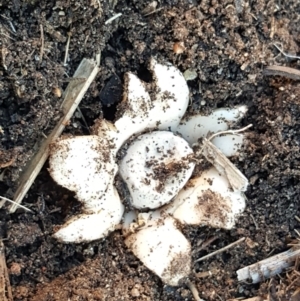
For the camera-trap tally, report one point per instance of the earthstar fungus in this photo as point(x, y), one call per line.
point(158, 168)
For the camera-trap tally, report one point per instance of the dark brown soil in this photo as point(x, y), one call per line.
point(228, 43)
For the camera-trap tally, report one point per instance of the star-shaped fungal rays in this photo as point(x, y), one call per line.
point(164, 146)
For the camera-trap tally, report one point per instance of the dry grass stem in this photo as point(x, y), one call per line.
point(224, 166)
point(74, 93)
point(269, 267)
point(113, 18)
point(42, 44)
point(205, 244)
point(18, 205)
point(153, 12)
point(193, 290)
point(5, 288)
point(221, 250)
point(283, 71)
point(67, 49)
point(297, 218)
point(291, 56)
point(231, 132)
point(249, 299)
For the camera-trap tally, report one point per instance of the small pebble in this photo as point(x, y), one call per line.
point(135, 292)
point(190, 74)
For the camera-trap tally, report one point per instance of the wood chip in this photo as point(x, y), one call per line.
point(75, 91)
point(250, 299)
point(224, 166)
point(269, 267)
point(5, 288)
point(283, 71)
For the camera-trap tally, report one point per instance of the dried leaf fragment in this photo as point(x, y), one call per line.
point(236, 179)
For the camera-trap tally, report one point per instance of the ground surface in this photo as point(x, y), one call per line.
point(228, 43)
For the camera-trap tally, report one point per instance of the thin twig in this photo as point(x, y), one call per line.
point(82, 117)
point(42, 43)
point(5, 288)
point(15, 203)
point(73, 95)
point(297, 218)
point(7, 36)
point(291, 56)
point(221, 250)
point(232, 132)
point(10, 23)
point(113, 18)
point(205, 244)
point(67, 49)
point(193, 290)
point(254, 221)
point(269, 267)
point(283, 71)
point(297, 232)
point(154, 11)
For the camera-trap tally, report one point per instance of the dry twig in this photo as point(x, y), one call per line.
point(221, 250)
point(74, 93)
point(224, 166)
point(282, 71)
point(12, 202)
point(5, 288)
point(42, 43)
point(291, 56)
point(269, 267)
point(193, 290)
point(67, 49)
point(205, 244)
point(113, 18)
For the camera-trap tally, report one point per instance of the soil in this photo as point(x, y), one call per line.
point(228, 43)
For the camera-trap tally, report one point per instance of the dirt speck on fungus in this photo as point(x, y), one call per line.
point(228, 44)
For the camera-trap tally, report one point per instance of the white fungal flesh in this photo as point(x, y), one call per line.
point(163, 249)
point(229, 145)
point(164, 112)
point(108, 133)
point(136, 117)
point(172, 95)
point(88, 227)
point(157, 165)
point(208, 200)
point(156, 168)
point(198, 126)
point(84, 165)
point(129, 221)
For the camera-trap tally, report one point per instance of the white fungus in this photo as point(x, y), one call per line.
point(88, 227)
point(156, 166)
point(199, 126)
point(83, 164)
point(164, 112)
point(229, 145)
point(209, 200)
point(163, 249)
